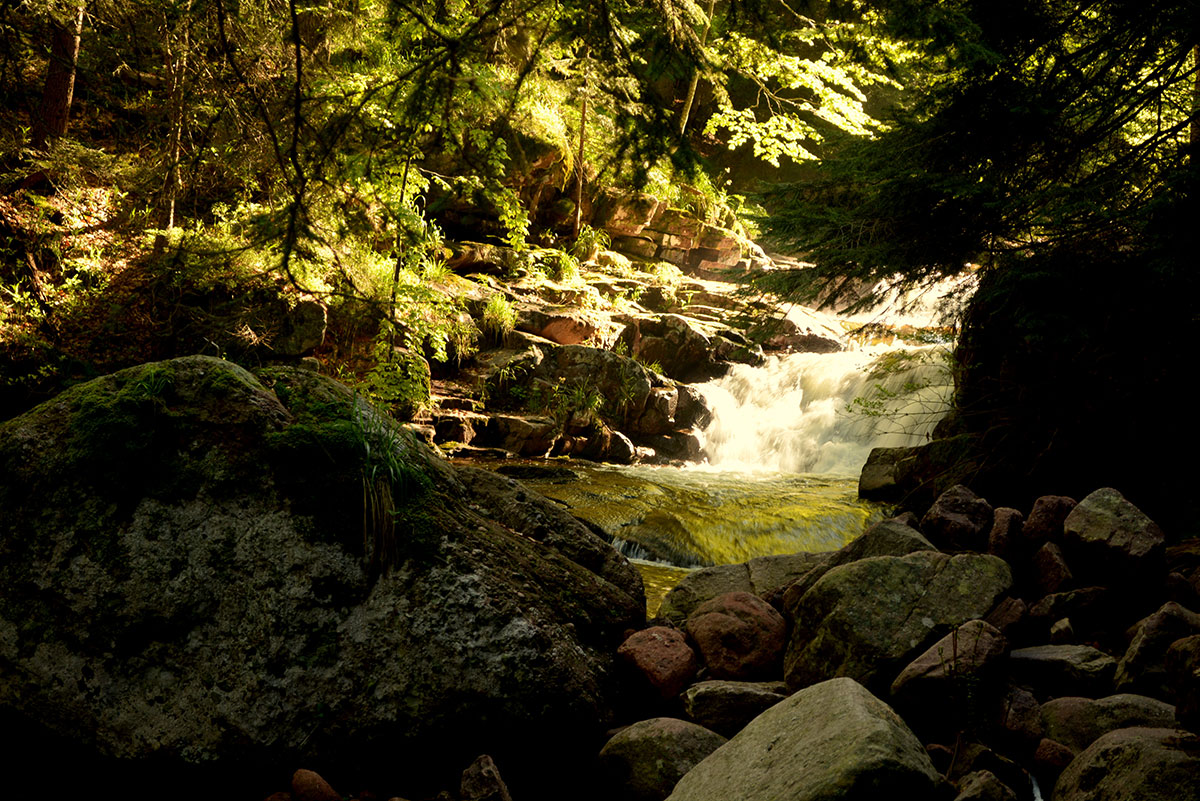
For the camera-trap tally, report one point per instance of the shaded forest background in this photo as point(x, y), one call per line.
point(174, 177)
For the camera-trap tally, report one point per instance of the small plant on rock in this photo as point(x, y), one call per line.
point(590, 242)
point(499, 319)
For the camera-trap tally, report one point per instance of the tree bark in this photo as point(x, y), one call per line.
point(51, 120)
point(575, 228)
point(691, 93)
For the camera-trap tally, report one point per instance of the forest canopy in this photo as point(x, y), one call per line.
point(228, 147)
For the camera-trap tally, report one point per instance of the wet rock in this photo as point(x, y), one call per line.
point(982, 785)
point(645, 761)
point(1050, 758)
point(481, 782)
point(1146, 764)
point(867, 619)
point(1078, 722)
point(1111, 542)
point(739, 636)
point(528, 436)
point(519, 508)
point(659, 414)
point(971, 756)
point(691, 410)
point(1142, 668)
point(831, 740)
point(662, 657)
point(727, 706)
point(795, 334)
point(959, 520)
point(1054, 671)
point(676, 343)
point(885, 475)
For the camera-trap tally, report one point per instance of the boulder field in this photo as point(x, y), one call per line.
point(974, 653)
point(210, 578)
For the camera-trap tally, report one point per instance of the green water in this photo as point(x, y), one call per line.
point(658, 580)
point(693, 517)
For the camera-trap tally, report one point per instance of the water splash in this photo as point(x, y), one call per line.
point(823, 413)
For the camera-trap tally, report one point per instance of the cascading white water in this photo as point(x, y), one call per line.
point(822, 413)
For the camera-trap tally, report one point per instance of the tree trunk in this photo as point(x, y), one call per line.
point(579, 167)
point(1194, 133)
point(176, 71)
point(51, 120)
point(691, 93)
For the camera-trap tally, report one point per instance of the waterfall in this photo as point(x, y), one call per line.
point(822, 413)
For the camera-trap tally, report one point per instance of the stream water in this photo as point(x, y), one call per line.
point(785, 448)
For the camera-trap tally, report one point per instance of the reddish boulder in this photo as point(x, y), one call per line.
point(1005, 535)
point(739, 635)
point(1050, 571)
point(308, 785)
point(1045, 521)
point(662, 657)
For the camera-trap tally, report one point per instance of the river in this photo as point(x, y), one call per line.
point(784, 451)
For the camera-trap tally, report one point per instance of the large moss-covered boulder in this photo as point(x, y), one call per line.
point(869, 618)
point(203, 567)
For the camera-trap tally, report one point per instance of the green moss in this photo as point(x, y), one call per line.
point(309, 396)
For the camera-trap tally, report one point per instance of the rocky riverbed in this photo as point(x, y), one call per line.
point(225, 583)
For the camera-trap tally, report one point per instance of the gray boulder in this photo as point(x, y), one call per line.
point(202, 567)
point(959, 520)
point(1142, 763)
point(885, 538)
point(1142, 668)
point(727, 706)
point(1078, 722)
point(1110, 541)
point(643, 762)
point(982, 785)
point(870, 618)
point(832, 740)
point(1059, 670)
point(950, 685)
point(761, 576)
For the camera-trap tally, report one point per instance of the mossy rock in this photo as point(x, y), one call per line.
point(214, 572)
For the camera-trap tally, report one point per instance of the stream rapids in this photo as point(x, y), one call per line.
point(784, 451)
